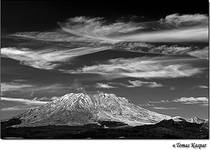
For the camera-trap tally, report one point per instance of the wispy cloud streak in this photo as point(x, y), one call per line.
point(192, 100)
point(130, 84)
point(164, 108)
point(202, 86)
point(162, 67)
point(203, 101)
point(172, 28)
point(25, 101)
point(138, 83)
point(198, 34)
point(24, 87)
point(48, 58)
point(104, 86)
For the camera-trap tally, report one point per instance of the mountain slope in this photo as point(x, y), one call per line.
point(197, 120)
point(79, 109)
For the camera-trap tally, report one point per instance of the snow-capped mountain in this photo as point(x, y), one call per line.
point(80, 108)
point(197, 120)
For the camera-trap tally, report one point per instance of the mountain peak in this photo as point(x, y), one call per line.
point(197, 120)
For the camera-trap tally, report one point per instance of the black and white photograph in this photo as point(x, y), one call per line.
point(104, 70)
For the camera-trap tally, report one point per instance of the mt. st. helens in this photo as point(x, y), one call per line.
point(98, 116)
point(80, 109)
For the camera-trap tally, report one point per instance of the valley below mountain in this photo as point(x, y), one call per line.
point(166, 129)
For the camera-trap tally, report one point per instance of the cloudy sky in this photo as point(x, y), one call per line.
point(157, 58)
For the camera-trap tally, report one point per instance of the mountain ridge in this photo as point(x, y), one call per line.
point(82, 108)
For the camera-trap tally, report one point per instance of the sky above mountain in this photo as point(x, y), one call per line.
point(157, 58)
